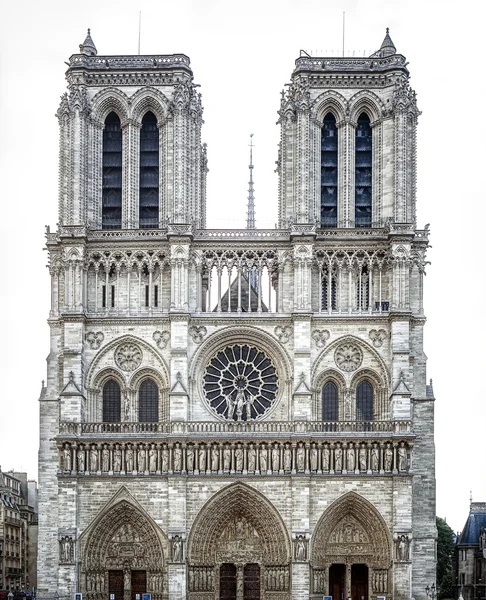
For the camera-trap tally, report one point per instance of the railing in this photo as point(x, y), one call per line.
point(12, 520)
point(236, 427)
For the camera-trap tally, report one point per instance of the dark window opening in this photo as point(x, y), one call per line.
point(330, 409)
point(147, 295)
point(364, 402)
point(111, 211)
point(329, 172)
point(156, 295)
point(103, 296)
point(149, 172)
point(325, 295)
point(148, 402)
point(112, 296)
point(111, 402)
point(363, 172)
point(362, 290)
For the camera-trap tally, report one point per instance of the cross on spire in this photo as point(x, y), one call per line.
point(250, 217)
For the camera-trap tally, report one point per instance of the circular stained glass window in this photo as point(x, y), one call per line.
point(240, 383)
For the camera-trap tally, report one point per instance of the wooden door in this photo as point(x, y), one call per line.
point(251, 582)
point(227, 582)
point(115, 584)
point(359, 582)
point(138, 584)
point(337, 579)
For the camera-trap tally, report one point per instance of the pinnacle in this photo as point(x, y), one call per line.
point(87, 47)
point(388, 47)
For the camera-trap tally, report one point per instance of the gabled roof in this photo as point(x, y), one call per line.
point(472, 529)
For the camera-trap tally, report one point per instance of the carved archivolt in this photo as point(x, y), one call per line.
point(351, 530)
point(238, 524)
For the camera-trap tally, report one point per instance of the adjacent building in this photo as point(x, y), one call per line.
point(236, 414)
point(469, 561)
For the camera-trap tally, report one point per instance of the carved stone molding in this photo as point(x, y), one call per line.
point(320, 337)
point(283, 333)
point(128, 356)
point(348, 357)
point(161, 338)
point(197, 332)
point(95, 339)
point(378, 337)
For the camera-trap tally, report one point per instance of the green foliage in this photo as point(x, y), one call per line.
point(445, 550)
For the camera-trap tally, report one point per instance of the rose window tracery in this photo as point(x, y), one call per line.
point(240, 383)
point(348, 357)
point(128, 356)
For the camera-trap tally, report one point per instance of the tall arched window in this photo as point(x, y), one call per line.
point(325, 291)
point(148, 402)
point(329, 172)
point(330, 409)
point(111, 217)
point(363, 172)
point(111, 402)
point(364, 401)
point(149, 172)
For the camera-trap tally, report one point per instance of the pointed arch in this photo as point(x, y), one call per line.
point(149, 99)
point(264, 536)
point(351, 530)
point(368, 102)
point(110, 100)
point(329, 101)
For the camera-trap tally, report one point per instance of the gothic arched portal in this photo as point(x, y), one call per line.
point(121, 552)
point(239, 540)
point(351, 550)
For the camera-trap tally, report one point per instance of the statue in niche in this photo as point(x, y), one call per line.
point(190, 457)
point(375, 457)
point(117, 459)
point(338, 458)
point(127, 580)
point(215, 457)
point(275, 457)
point(239, 458)
point(300, 457)
point(300, 549)
point(402, 457)
point(67, 457)
point(313, 457)
point(287, 458)
point(177, 457)
point(81, 459)
point(202, 457)
point(351, 462)
point(325, 458)
point(362, 457)
point(177, 548)
point(93, 459)
point(165, 459)
point(127, 407)
point(227, 458)
point(105, 458)
point(152, 458)
point(66, 549)
point(142, 459)
point(403, 547)
point(263, 458)
point(129, 458)
point(251, 458)
point(388, 457)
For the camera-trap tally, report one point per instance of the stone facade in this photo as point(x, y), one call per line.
point(236, 413)
point(469, 560)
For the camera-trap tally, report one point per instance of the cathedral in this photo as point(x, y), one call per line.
point(236, 414)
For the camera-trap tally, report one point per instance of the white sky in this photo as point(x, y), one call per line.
point(242, 54)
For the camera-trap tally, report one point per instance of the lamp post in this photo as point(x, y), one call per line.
point(432, 591)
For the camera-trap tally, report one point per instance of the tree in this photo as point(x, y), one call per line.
point(445, 549)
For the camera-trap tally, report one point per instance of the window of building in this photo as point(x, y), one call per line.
point(148, 402)
point(111, 217)
point(364, 401)
point(329, 172)
point(363, 172)
point(325, 293)
point(362, 289)
point(330, 410)
point(111, 402)
point(149, 172)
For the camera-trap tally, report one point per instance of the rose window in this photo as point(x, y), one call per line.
point(128, 356)
point(348, 357)
point(240, 383)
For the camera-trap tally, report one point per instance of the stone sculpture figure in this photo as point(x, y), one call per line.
point(152, 458)
point(117, 459)
point(202, 457)
point(287, 458)
point(67, 457)
point(177, 549)
point(251, 454)
point(300, 457)
point(403, 547)
point(388, 457)
point(177, 457)
point(275, 457)
point(338, 458)
point(263, 458)
point(165, 459)
point(300, 548)
point(129, 458)
point(362, 457)
point(215, 458)
point(402, 457)
point(93, 459)
point(81, 459)
point(105, 459)
point(313, 457)
point(66, 549)
point(239, 458)
point(227, 458)
point(351, 458)
point(142, 459)
point(190, 458)
point(375, 457)
point(325, 458)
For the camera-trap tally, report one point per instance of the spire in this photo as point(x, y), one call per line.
point(87, 47)
point(250, 217)
point(387, 47)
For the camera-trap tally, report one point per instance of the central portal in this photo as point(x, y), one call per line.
point(233, 580)
point(120, 582)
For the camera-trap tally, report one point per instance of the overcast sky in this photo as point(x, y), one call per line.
point(242, 54)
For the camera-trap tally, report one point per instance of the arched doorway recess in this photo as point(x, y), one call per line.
point(351, 552)
point(238, 548)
